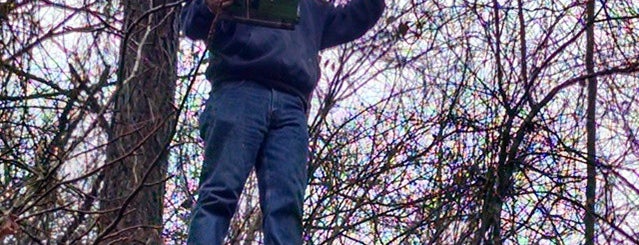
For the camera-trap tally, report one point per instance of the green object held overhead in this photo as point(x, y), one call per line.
point(282, 14)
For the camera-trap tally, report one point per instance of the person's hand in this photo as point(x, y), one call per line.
point(217, 6)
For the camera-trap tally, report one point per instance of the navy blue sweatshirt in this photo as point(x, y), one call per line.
point(284, 59)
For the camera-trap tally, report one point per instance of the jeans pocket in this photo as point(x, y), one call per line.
point(219, 91)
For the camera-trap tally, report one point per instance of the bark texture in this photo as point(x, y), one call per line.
point(142, 124)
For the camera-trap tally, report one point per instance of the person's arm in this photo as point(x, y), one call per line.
point(349, 22)
point(196, 19)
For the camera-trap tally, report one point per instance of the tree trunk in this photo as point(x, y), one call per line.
point(591, 128)
point(142, 125)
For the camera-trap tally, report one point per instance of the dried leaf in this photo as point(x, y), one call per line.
point(8, 226)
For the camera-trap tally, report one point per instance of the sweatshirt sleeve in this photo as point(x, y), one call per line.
point(349, 22)
point(196, 19)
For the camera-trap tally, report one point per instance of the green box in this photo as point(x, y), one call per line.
point(270, 13)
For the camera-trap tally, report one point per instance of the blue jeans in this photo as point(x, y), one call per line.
point(246, 125)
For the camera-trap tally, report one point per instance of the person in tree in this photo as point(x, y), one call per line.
point(256, 113)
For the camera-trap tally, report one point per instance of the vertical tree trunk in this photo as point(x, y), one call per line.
point(142, 126)
point(498, 177)
point(591, 128)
